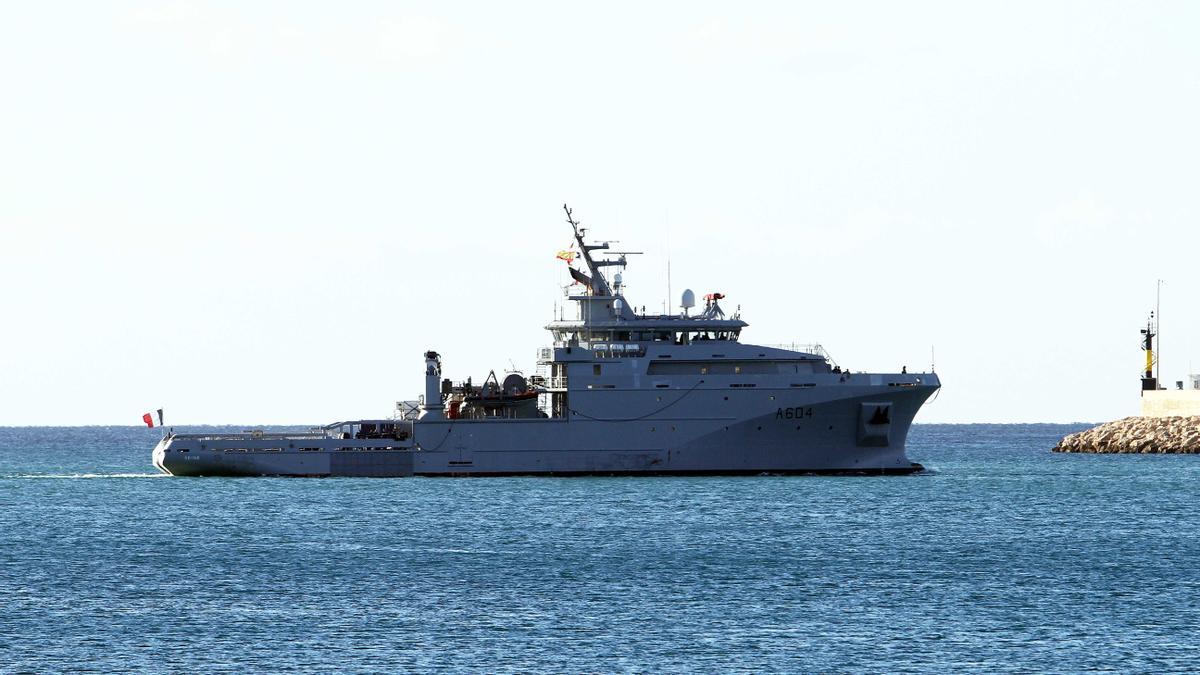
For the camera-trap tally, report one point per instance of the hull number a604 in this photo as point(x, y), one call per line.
point(793, 413)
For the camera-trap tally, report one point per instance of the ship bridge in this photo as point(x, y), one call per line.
point(641, 328)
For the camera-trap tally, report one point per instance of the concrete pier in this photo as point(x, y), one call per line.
point(1171, 403)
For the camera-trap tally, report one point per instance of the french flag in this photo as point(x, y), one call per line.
point(149, 419)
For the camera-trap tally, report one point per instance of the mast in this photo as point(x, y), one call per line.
point(599, 283)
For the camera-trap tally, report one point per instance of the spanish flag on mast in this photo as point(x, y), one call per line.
point(569, 256)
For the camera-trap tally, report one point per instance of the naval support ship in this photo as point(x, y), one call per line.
point(621, 392)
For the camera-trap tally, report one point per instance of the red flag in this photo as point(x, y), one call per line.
point(148, 420)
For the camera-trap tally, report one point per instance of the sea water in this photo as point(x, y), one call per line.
point(1001, 557)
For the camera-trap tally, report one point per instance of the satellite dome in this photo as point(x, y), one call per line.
point(689, 299)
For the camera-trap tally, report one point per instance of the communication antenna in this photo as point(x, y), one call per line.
point(1158, 321)
point(667, 302)
point(932, 360)
point(668, 275)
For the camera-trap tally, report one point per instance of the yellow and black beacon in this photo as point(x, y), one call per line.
point(1149, 382)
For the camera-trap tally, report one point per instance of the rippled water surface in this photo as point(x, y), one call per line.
point(1003, 557)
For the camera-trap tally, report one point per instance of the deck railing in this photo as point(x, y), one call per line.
point(257, 435)
point(807, 348)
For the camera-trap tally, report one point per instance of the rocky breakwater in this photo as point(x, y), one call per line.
point(1139, 435)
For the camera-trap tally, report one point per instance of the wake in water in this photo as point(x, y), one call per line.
point(84, 475)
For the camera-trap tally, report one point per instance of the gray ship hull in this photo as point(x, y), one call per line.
point(795, 432)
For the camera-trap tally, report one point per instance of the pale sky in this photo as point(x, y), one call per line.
point(255, 213)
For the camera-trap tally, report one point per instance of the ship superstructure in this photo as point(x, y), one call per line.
point(619, 392)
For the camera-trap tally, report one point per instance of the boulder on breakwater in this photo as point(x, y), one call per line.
point(1139, 435)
